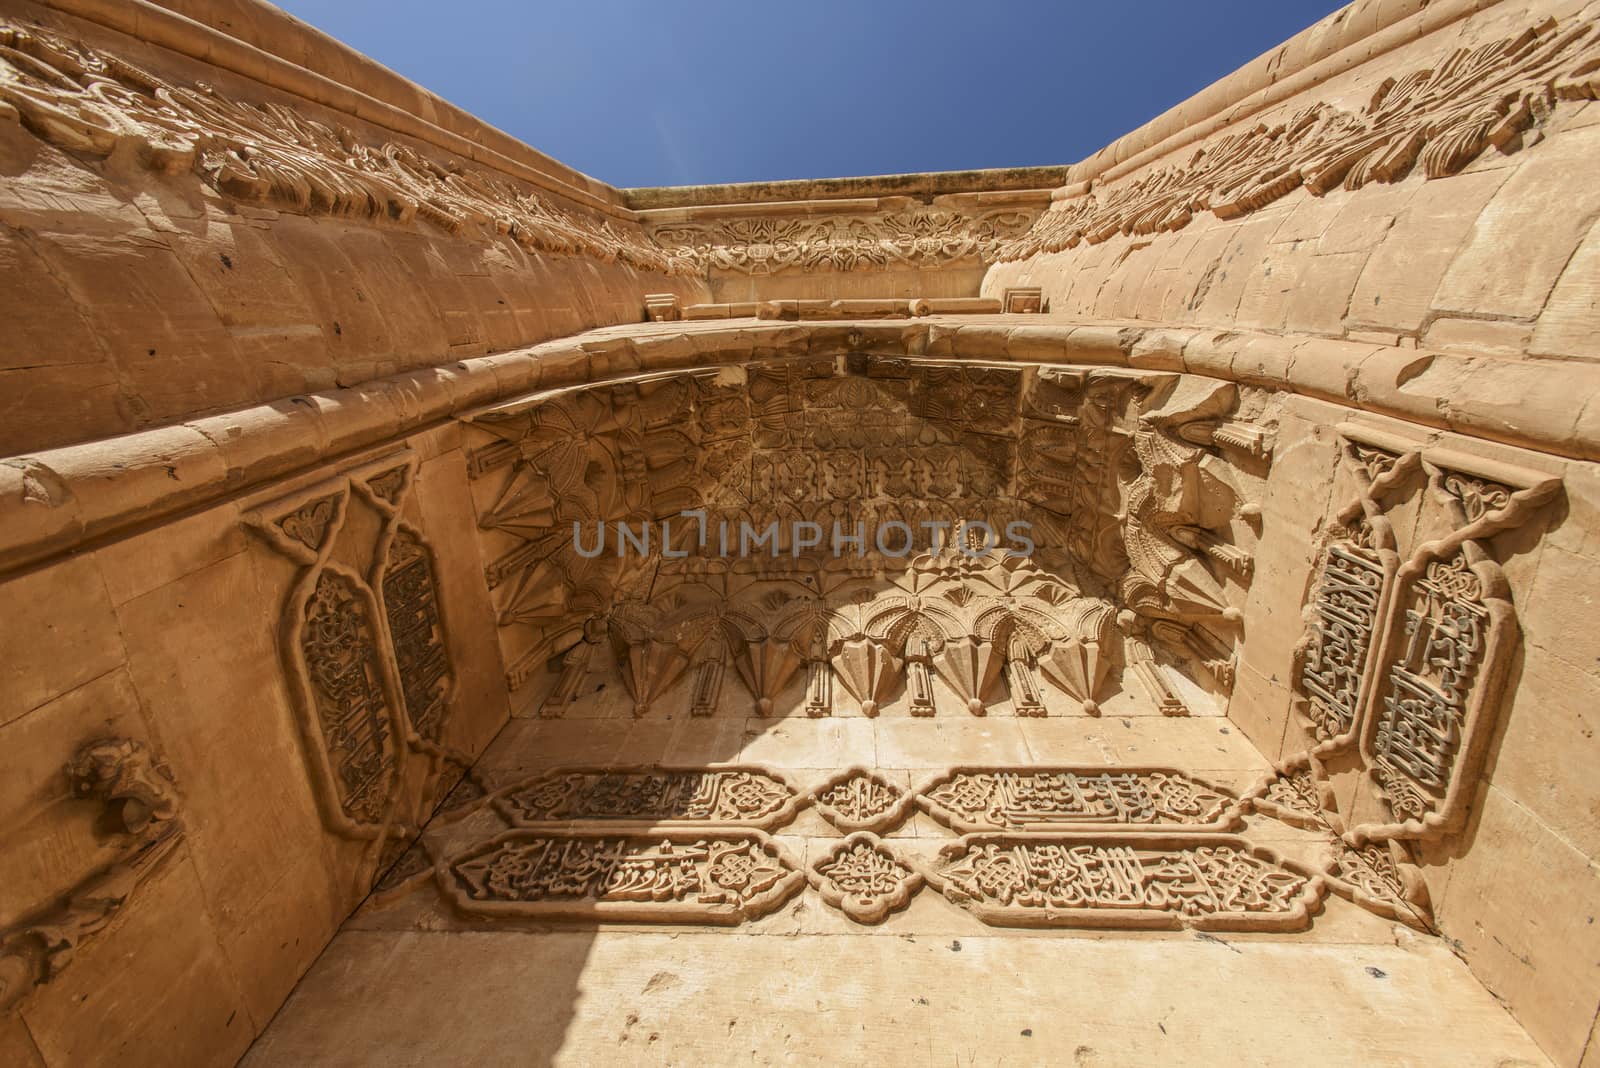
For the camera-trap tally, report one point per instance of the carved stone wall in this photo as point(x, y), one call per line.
point(1377, 204)
point(293, 240)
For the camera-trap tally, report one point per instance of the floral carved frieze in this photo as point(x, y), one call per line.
point(364, 646)
point(1436, 119)
point(1411, 626)
point(655, 521)
point(93, 104)
point(1207, 883)
point(1052, 799)
point(913, 236)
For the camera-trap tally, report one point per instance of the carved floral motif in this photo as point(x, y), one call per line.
point(1437, 118)
point(90, 102)
point(911, 237)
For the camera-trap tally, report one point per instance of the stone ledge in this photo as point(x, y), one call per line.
point(59, 499)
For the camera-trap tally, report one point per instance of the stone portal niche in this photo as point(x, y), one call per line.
point(1033, 540)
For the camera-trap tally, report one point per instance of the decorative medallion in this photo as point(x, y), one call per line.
point(863, 879)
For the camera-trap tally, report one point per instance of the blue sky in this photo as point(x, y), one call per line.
point(669, 93)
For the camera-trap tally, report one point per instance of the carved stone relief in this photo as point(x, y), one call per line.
point(663, 877)
point(1409, 632)
point(912, 236)
point(1055, 799)
point(1208, 883)
point(860, 799)
point(1141, 536)
point(666, 797)
point(863, 878)
point(364, 646)
point(1295, 792)
point(1439, 119)
point(91, 103)
point(138, 803)
point(1380, 877)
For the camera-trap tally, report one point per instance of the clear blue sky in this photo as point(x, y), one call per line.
point(690, 91)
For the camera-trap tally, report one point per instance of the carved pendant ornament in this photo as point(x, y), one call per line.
point(1407, 643)
point(364, 645)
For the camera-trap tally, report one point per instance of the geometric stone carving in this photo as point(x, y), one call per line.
point(1436, 120)
point(1206, 883)
point(703, 877)
point(968, 800)
point(659, 797)
point(859, 799)
point(863, 879)
point(90, 103)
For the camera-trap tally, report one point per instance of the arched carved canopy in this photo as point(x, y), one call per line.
point(1131, 486)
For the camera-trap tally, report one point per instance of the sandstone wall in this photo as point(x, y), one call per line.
point(279, 230)
point(1369, 205)
point(1424, 187)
